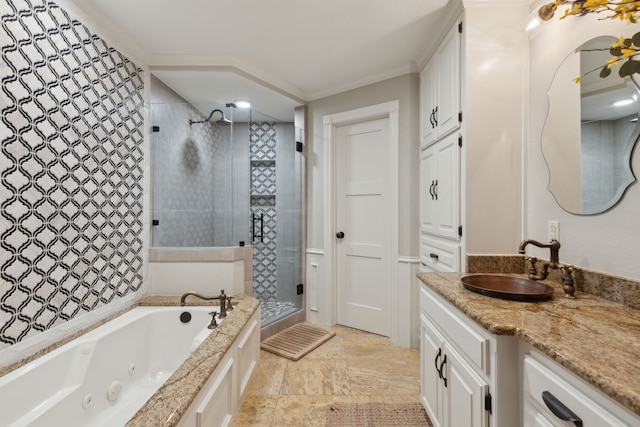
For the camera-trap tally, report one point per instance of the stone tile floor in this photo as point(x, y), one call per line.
point(354, 366)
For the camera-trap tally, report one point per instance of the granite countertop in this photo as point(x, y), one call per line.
point(596, 339)
point(170, 402)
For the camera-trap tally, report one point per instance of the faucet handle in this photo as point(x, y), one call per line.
point(229, 306)
point(533, 271)
point(213, 323)
point(568, 283)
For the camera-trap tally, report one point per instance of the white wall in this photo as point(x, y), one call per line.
point(494, 105)
point(607, 242)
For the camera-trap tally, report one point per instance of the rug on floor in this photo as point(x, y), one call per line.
point(296, 341)
point(377, 415)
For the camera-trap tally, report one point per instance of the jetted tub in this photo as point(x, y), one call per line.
point(103, 377)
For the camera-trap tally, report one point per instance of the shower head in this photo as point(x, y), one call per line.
point(223, 120)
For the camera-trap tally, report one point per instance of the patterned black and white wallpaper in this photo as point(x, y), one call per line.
point(70, 170)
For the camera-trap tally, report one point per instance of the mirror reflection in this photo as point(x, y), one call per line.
point(590, 132)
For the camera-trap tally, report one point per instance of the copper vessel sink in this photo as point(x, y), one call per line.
point(506, 287)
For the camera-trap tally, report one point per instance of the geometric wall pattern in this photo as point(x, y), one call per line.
point(262, 149)
point(70, 170)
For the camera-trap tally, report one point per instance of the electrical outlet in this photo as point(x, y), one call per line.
point(553, 230)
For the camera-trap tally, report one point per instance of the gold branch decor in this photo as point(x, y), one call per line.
point(625, 50)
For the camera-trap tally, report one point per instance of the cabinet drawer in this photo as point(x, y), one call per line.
point(539, 379)
point(468, 339)
point(439, 256)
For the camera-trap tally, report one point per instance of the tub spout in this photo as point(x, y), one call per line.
point(222, 298)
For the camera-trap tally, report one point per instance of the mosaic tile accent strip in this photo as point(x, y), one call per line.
point(263, 178)
point(263, 141)
point(262, 149)
point(264, 257)
point(70, 170)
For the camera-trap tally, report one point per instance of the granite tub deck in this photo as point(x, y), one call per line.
point(596, 339)
point(171, 401)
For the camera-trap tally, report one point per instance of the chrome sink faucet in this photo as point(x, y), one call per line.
point(554, 263)
point(222, 297)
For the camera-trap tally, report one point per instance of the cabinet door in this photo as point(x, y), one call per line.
point(248, 352)
point(466, 391)
point(431, 343)
point(448, 83)
point(447, 187)
point(218, 407)
point(428, 103)
point(427, 195)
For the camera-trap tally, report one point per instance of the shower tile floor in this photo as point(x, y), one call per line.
point(352, 367)
point(270, 311)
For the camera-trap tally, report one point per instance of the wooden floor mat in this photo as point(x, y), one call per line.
point(296, 341)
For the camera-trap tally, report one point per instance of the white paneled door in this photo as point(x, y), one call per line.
point(363, 226)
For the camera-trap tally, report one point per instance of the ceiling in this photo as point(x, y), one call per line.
point(277, 53)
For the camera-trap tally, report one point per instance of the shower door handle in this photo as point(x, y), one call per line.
point(253, 228)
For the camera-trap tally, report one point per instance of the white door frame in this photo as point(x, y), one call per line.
point(386, 110)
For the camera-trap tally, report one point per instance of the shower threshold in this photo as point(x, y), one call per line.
point(272, 311)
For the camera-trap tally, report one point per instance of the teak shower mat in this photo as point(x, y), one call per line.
point(296, 341)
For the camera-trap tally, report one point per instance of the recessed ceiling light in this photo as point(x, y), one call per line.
point(241, 103)
point(622, 102)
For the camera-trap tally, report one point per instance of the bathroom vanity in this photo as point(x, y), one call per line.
point(491, 362)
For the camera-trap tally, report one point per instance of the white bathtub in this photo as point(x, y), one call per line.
point(103, 377)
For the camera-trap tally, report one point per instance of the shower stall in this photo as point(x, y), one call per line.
point(222, 176)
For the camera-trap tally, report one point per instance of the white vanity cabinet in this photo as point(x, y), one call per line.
point(219, 400)
point(555, 397)
point(440, 89)
point(450, 384)
point(459, 379)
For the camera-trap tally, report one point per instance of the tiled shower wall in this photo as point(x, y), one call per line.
point(262, 149)
point(70, 171)
point(192, 174)
point(276, 193)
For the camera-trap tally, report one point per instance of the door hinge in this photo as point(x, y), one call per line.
point(299, 289)
point(460, 231)
point(460, 27)
point(487, 403)
point(460, 141)
point(460, 117)
point(299, 146)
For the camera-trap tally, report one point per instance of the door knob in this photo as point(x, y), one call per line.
point(340, 235)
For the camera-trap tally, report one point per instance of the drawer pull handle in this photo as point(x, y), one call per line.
point(434, 256)
point(436, 362)
point(444, 362)
point(559, 410)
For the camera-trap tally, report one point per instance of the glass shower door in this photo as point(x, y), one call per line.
point(275, 216)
